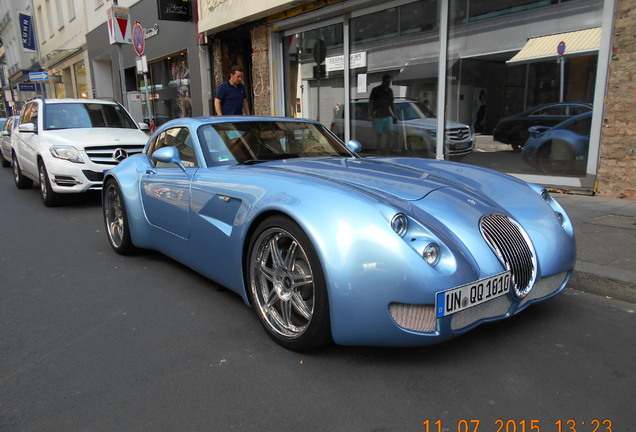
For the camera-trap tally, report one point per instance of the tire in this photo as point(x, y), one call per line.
point(49, 197)
point(116, 219)
point(5, 163)
point(548, 165)
point(21, 181)
point(287, 286)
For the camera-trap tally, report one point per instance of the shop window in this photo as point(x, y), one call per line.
point(81, 85)
point(314, 73)
point(168, 83)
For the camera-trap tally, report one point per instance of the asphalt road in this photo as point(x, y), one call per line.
point(91, 341)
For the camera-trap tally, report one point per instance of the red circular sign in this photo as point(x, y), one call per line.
point(561, 48)
point(139, 42)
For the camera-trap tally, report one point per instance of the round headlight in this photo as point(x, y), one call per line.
point(431, 254)
point(400, 224)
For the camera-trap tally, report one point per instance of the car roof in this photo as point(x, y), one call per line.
point(70, 100)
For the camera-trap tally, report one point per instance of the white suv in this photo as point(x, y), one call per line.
point(415, 131)
point(65, 145)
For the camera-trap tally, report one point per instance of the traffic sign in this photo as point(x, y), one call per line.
point(139, 41)
point(561, 48)
point(38, 76)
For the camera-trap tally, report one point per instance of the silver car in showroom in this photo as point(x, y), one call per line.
point(414, 132)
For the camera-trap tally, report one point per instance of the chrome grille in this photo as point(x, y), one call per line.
point(512, 245)
point(458, 133)
point(103, 155)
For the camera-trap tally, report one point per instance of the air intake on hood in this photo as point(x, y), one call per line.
point(512, 246)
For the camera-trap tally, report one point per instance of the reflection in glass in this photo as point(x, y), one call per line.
point(314, 79)
point(402, 42)
point(530, 116)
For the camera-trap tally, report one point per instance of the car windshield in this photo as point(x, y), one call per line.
point(86, 115)
point(260, 141)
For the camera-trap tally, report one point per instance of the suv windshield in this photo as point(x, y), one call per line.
point(85, 115)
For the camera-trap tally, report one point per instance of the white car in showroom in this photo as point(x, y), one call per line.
point(65, 145)
point(415, 131)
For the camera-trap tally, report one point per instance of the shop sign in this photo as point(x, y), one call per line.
point(26, 87)
point(152, 31)
point(356, 60)
point(26, 30)
point(175, 10)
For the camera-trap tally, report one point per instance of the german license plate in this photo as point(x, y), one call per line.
point(474, 293)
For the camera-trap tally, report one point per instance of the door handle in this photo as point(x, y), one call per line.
point(151, 171)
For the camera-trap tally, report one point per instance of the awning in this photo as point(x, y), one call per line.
point(544, 47)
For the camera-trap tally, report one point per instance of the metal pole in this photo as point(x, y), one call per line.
point(151, 119)
point(122, 76)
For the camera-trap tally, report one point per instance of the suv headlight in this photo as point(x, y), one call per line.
point(67, 153)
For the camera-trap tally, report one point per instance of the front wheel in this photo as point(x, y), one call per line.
point(49, 197)
point(287, 285)
point(555, 158)
point(116, 219)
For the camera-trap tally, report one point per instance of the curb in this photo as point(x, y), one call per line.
point(607, 287)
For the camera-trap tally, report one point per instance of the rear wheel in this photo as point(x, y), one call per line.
point(49, 197)
point(116, 219)
point(21, 181)
point(287, 285)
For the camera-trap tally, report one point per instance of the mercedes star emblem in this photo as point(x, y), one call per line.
point(120, 154)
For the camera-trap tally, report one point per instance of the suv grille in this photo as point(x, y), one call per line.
point(458, 133)
point(512, 246)
point(105, 155)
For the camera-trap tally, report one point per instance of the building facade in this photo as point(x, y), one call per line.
point(463, 64)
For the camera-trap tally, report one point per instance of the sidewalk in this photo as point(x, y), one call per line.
point(605, 232)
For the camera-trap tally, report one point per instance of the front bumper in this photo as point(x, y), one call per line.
point(68, 177)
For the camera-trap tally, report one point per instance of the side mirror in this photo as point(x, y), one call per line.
point(354, 146)
point(168, 155)
point(144, 126)
point(27, 128)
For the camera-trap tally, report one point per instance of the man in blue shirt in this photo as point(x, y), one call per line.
point(231, 98)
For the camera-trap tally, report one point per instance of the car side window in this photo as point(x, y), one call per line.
point(557, 110)
point(181, 139)
point(30, 114)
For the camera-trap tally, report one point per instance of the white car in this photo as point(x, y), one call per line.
point(415, 131)
point(5, 140)
point(65, 145)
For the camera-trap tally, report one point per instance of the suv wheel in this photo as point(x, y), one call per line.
point(20, 180)
point(49, 197)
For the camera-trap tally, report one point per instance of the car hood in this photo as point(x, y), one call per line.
point(80, 138)
point(431, 123)
point(380, 175)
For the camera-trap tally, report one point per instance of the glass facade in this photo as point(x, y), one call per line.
point(479, 88)
point(168, 82)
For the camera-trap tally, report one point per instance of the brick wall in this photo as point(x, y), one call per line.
point(617, 169)
point(260, 70)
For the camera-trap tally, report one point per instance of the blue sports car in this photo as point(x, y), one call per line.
point(327, 246)
point(562, 149)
